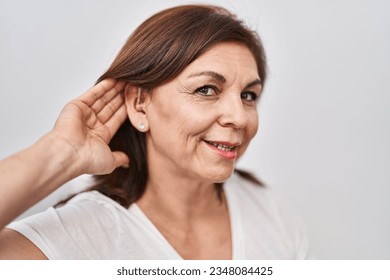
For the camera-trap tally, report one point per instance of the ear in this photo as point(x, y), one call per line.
point(136, 100)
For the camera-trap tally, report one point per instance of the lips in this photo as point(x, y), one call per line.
point(223, 146)
point(226, 150)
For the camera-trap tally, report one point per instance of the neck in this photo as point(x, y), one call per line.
point(187, 211)
point(179, 197)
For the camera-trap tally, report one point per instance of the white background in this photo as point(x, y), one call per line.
point(323, 143)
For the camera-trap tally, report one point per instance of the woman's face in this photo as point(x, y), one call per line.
point(202, 121)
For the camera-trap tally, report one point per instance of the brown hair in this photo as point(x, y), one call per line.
point(156, 52)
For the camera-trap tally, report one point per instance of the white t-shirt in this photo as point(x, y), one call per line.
point(93, 226)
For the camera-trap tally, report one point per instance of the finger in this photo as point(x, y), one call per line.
point(86, 114)
point(121, 159)
point(110, 108)
point(116, 121)
point(78, 110)
point(100, 103)
point(91, 120)
point(97, 91)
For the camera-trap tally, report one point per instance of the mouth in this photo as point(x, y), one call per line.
point(226, 150)
point(226, 147)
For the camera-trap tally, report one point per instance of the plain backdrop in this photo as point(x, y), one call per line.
point(323, 142)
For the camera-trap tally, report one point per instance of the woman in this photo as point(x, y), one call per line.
point(162, 131)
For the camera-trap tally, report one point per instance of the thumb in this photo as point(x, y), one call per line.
point(121, 159)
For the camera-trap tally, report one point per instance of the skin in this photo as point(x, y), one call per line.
point(201, 106)
point(178, 116)
point(76, 145)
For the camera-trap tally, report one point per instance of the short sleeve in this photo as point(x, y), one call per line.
point(48, 233)
point(74, 231)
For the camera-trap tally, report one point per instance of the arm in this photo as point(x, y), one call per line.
point(78, 144)
point(30, 175)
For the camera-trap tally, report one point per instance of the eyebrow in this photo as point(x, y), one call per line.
point(213, 74)
point(255, 82)
point(221, 78)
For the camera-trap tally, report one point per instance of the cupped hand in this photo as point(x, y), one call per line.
point(88, 123)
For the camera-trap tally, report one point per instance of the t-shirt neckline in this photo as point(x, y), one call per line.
point(235, 226)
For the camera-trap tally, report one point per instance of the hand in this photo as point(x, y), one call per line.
point(89, 122)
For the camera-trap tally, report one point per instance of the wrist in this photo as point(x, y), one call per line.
point(61, 155)
point(32, 174)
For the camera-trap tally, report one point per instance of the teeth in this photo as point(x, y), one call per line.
point(222, 147)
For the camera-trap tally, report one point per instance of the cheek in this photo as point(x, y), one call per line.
point(163, 112)
point(178, 120)
point(250, 132)
point(193, 118)
point(253, 124)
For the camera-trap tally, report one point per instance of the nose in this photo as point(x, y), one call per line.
point(232, 112)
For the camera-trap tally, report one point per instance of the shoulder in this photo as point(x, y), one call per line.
point(81, 225)
point(87, 209)
point(257, 198)
point(253, 196)
point(92, 202)
point(265, 216)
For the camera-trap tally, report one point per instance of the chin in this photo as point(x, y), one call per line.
point(218, 175)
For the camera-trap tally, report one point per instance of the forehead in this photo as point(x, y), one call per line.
point(225, 58)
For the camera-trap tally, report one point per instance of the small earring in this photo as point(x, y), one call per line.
point(141, 126)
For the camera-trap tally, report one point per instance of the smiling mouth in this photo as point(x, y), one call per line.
point(223, 147)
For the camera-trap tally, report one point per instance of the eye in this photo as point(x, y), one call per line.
point(249, 96)
point(207, 90)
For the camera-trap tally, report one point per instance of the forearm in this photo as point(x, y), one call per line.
point(32, 174)
point(78, 144)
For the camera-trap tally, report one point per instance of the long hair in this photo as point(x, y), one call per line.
point(156, 52)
